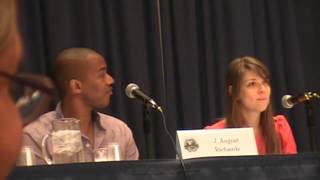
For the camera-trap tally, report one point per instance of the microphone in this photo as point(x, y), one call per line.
point(289, 101)
point(133, 91)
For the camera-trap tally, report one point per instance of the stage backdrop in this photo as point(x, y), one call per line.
point(177, 52)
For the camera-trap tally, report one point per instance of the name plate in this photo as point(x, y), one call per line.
point(216, 142)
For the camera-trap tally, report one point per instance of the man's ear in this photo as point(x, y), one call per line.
point(230, 90)
point(75, 86)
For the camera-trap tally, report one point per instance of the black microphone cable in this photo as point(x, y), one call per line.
point(178, 153)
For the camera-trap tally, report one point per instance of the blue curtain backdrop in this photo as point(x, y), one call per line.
point(177, 51)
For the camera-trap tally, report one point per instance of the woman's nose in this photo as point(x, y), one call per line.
point(262, 87)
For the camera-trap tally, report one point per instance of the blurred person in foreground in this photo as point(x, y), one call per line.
point(10, 54)
point(84, 85)
point(248, 104)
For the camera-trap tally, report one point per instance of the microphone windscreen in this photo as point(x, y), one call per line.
point(130, 88)
point(285, 101)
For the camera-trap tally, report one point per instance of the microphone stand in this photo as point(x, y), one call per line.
point(147, 126)
point(149, 143)
point(311, 126)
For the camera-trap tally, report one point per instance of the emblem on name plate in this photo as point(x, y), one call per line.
point(191, 145)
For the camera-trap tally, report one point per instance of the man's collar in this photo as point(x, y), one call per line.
point(59, 111)
point(94, 114)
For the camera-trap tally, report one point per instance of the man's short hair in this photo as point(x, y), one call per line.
point(70, 64)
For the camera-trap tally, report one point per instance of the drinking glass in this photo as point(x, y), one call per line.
point(109, 153)
point(26, 157)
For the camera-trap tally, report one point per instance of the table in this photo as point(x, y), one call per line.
point(302, 166)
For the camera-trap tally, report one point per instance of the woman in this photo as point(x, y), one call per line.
point(10, 121)
point(248, 104)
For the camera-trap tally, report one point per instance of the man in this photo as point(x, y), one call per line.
point(83, 85)
point(10, 54)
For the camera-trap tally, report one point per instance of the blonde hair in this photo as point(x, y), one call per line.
point(8, 23)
